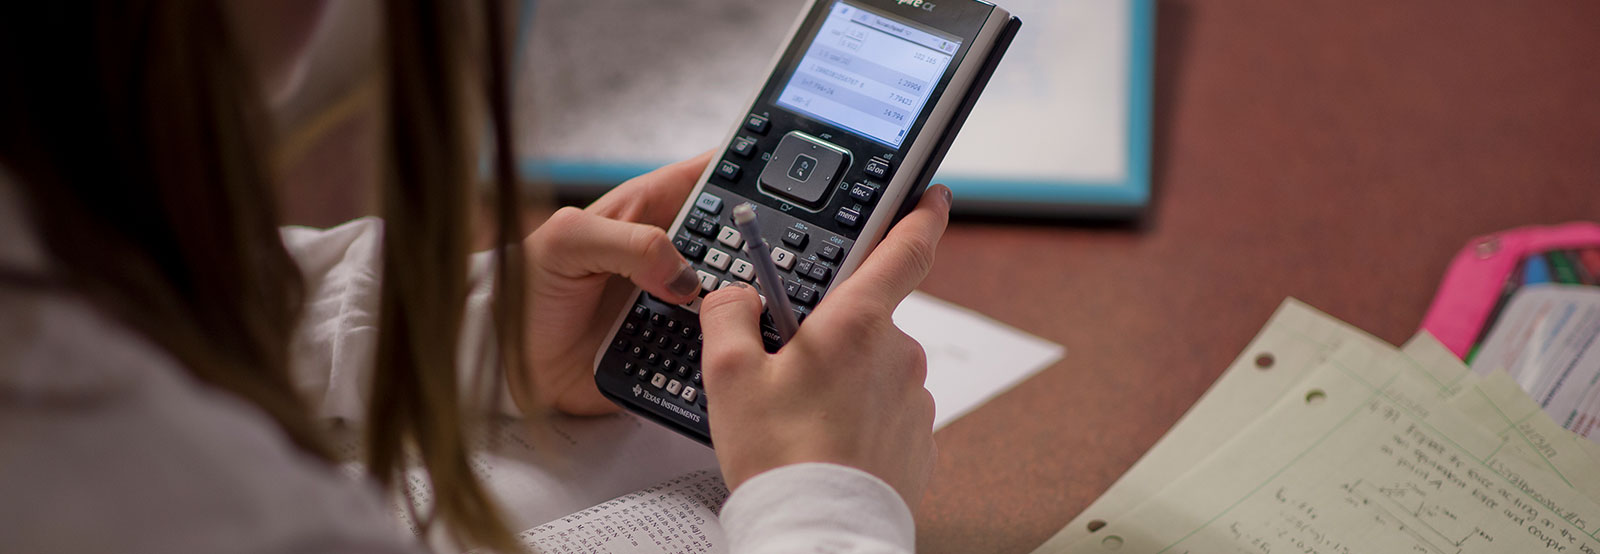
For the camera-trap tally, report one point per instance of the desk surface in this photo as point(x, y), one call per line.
point(1338, 152)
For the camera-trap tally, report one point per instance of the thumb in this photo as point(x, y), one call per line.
point(577, 244)
point(731, 321)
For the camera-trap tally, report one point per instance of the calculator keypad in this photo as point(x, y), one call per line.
point(654, 363)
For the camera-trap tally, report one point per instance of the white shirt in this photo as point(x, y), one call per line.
point(107, 445)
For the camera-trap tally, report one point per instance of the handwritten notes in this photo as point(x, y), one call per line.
point(1371, 449)
point(679, 515)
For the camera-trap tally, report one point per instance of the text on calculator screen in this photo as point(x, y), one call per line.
point(868, 73)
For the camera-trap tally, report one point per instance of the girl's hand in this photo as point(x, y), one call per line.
point(847, 389)
point(579, 265)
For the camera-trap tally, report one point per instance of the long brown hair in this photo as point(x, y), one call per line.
point(137, 134)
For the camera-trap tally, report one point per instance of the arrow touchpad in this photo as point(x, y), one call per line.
point(804, 168)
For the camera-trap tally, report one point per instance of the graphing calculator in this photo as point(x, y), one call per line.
point(856, 115)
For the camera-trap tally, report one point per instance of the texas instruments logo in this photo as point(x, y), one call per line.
point(639, 391)
point(918, 4)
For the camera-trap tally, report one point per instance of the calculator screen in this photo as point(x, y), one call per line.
point(868, 73)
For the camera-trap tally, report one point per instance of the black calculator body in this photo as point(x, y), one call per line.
point(856, 115)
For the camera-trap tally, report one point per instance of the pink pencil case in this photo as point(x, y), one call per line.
point(1477, 276)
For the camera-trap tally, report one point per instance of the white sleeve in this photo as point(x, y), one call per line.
point(332, 352)
point(817, 508)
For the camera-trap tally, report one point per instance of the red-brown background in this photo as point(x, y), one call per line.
point(1335, 151)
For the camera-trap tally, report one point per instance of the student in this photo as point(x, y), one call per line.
point(168, 358)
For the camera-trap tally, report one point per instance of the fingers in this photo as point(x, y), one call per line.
point(904, 257)
point(578, 244)
point(654, 197)
point(731, 321)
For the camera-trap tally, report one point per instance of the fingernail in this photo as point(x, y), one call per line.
point(686, 283)
point(740, 284)
point(948, 196)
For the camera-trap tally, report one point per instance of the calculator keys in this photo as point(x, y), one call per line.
point(661, 345)
point(725, 284)
point(730, 237)
point(878, 168)
point(805, 295)
point(728, 170)
point(848, 217)
point(793, 288)
point(744, 146)
point(830, 252)
point(784, 259)
point(743, 270)
point(795, 238)
point(819, 272)
point(864, 193)
point(756, 124)
point(708, 202)
point(717, 259)
point(695, 250)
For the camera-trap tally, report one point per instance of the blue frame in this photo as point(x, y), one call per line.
point(1126, 198)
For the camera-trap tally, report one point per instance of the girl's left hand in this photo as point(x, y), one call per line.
point(579, 265)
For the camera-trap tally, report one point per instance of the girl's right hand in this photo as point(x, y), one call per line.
point(847, 389)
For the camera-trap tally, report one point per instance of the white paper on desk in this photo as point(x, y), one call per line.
point(1548, 340)
point(1295, 339)
point(971, 358)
